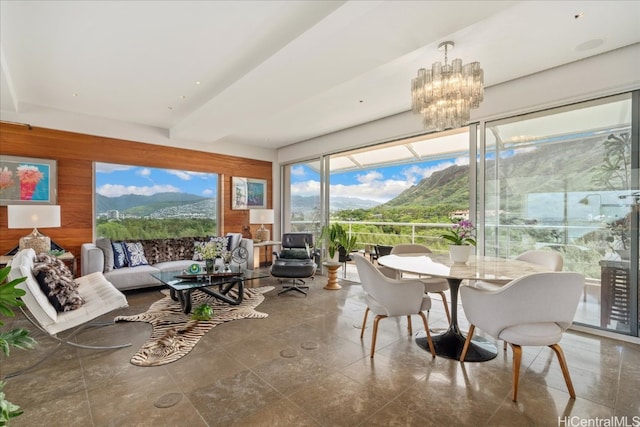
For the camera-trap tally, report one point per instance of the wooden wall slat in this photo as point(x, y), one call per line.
point(75, 154)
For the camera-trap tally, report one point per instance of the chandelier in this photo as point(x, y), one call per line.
point(445, 94)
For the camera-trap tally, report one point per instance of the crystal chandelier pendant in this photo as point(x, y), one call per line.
point(445, 94)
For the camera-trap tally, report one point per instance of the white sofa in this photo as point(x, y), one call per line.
point(174, 255)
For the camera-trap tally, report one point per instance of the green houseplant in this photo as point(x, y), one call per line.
point(18, 337)
point(347, 242)
point(330, 235)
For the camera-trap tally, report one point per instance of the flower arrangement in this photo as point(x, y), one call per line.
point(213, 248)
point(460, 233)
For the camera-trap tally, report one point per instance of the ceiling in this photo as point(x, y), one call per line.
point(273, 73)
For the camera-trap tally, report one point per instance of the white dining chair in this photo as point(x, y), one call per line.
point(387, 297)
point(435, 285)
point(533, 310)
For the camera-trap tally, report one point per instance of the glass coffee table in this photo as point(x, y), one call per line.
point(181, 285)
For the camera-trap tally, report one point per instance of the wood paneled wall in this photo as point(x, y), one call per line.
point(75, 154)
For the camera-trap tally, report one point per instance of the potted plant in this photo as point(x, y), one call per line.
point(18, 337)
point(331, 238)
point(461, 237)
point(347, 244)
point(202, 312)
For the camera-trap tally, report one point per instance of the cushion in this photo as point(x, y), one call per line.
point(119, 255)
point(294, 254)
point(233, 240)
point(107, 251)
point(135, 254)
point(57, 283)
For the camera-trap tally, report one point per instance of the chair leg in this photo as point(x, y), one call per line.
point(565, 369)
point(409, 325)
point(364, 322)
point(517, 358)
point(375, 333)
point(465, 348)
point(63, 341)
point(429, 340)
point(504, 346)
point(446, 306)
point(295, 287)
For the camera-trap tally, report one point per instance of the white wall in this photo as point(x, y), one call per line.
point(610, 73)
point(72, 122)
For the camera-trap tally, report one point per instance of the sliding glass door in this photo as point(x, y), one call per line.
point(566, 180)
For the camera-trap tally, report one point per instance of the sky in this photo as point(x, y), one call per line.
point(115, 180)
point(379, 184)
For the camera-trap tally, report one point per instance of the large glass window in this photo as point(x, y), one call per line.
point(563, 180)
point(302, 200)
point(134, 202)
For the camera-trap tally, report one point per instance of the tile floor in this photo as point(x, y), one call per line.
point(236, 375)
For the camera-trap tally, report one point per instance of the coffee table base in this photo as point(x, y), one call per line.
point(450, 344)
point(184, 296)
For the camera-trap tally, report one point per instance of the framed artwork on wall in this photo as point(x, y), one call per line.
point(25, 180)
point(248, 193)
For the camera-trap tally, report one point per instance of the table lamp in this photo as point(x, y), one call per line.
point(261, 216)
point(27, 216)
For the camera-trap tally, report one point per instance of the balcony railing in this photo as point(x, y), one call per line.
point(505, 240)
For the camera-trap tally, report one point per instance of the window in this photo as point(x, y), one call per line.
point(135, 202)
point(563, 180)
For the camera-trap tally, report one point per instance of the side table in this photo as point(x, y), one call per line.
point(332, 283)
point(267, 254)
point(66, 257)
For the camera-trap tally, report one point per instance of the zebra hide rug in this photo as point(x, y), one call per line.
point(175, 334)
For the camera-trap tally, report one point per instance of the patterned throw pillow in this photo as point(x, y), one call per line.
point(135, 254)
point(119, 255)
point(56, 281)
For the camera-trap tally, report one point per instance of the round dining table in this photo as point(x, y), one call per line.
point(496, 270)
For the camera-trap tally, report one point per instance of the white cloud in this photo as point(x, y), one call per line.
point(370, 176)
point(297, 171)
point(111, 190)
point(306, 188)
point(146, 172)
point(108, 167)
point(208, 192)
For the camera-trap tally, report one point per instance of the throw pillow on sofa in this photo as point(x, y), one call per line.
point(135, 254)
point(119, 255)
point(107, 252)
point(56, 281)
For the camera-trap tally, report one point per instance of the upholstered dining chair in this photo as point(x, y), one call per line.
point(436, 285)
point(550, 259)
point(388, 297)
point(533, 310)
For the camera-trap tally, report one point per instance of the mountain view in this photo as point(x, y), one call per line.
point(532, 172)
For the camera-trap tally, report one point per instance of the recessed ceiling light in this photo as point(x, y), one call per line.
point(183, 97)
point(75, 94)
point(197, 83)
point(170, 108)
point(578, 15)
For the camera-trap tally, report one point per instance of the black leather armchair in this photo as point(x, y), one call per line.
point(295, 261)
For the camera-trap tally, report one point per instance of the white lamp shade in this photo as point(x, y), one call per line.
point(261, 216)
point(33, 216)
